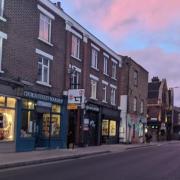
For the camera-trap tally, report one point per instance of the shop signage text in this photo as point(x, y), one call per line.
point(72, 107)
point(42, 97)
point(92, 107)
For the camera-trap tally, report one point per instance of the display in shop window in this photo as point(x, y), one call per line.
point(112, 129)
point(105, 127)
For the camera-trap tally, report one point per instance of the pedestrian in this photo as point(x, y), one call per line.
point(70, 140)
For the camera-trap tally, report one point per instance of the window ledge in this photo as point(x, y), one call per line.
point(114, 78)
point(93, 98)
point(3, 19)
point(44, 84)
point(113, 104)
point(105, 102)
point(76, 58)
point(44, 41)
point(106, 74)
point(1, 71)
point(95, 68)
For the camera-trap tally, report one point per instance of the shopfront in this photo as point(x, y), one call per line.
point(40, 122)
point(110, 126)
point(7, 123)
point(91, 124)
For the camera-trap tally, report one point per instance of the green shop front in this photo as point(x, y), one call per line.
point(42, 122)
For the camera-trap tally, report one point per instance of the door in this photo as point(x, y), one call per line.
point(38, 133)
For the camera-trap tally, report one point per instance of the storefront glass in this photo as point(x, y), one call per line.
point(43, 123)
point(108, 128)
point(7, 118)
point(112, 129)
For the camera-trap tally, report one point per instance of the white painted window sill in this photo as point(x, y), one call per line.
point(106, 74)
point(76, 58)
point(1, 71)
point(93, 98)
point(114, 78)
point(105, 102)
point(3, 19)
point(44, 41)
point(94, 68)
point(44, 84)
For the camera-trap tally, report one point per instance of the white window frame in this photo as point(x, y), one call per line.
point(43, 68)
point(94, 59)
point(104, 93)
point(114, 70)
point(135, 104)
point(2, 11)
point(75, 47)
point(142, 107)
point(94, 89)
point(105, 65)
point(48, 41)
point(113, 96)
point(2, 37)
point(77, 75)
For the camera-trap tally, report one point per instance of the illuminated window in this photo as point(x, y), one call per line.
point(7, 118)
point(112, 128)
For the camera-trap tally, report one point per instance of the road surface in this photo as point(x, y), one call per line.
point(152, 163)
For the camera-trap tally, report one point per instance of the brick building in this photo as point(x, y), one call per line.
point(32, 55)
point(43, 54)
point(133, 95)
point(176, 123)
point(94, 67)
point(159, 108)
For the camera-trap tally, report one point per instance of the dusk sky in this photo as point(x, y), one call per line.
point(146, 30)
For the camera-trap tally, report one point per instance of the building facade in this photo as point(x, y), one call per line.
point(133, 101)
point(176, 123)
point(95, 68)
point(159, 106)
point(42, 58)
point(33, 109)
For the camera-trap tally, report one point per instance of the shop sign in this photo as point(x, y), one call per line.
point(42, 97)
point(76, 96)
point(44, 104)
point(72, 107)
point(92, 107)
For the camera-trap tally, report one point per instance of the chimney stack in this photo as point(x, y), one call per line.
point(58, 4)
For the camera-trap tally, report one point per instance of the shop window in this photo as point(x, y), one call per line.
point(7, 119)
point(55, 125)
point(108, 128)
point(2, 101)
point(56, 108)
point(105, 127)
point(28, 118)
point(11, 102)
point(27, 124)
point(28, 104)
point(112, 129)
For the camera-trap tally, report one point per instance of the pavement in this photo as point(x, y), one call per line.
point(155, 162)
point(11, 160)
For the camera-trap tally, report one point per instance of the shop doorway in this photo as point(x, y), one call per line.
point(42, 127)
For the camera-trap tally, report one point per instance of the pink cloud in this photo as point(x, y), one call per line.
point(120, 17)
point(160, 63)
